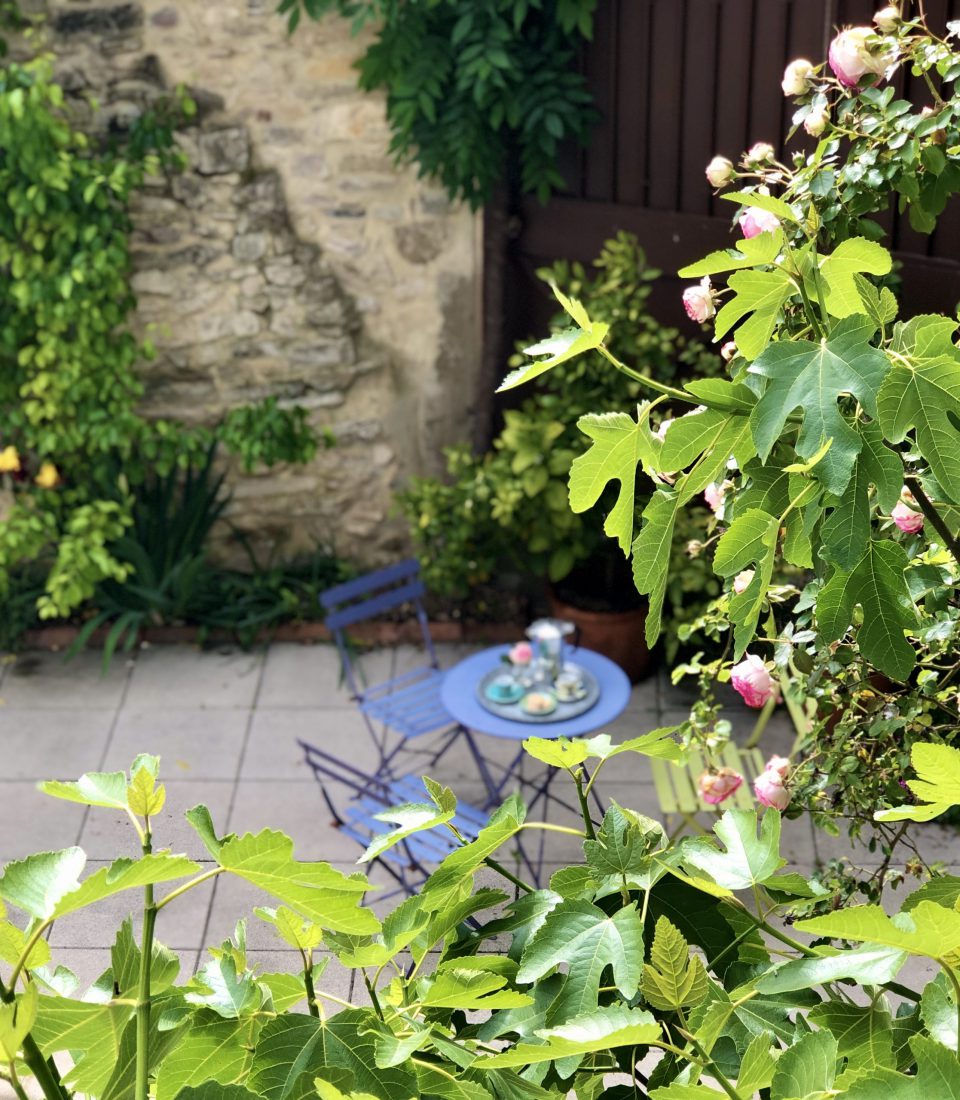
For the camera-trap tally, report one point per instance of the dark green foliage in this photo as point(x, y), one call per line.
point(170, 579)
point(470, 84)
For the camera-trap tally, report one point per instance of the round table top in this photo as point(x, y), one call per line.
point(459, 696)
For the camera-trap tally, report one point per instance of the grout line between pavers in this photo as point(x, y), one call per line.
point(233, 798)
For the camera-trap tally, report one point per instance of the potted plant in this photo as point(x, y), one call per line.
point(507, 511)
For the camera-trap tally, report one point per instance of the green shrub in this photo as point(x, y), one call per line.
point(508, 509)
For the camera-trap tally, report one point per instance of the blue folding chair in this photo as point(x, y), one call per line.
point(407, 706)
point(412, 860)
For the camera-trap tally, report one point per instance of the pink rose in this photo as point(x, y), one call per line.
point(851, 58)
point(770, 790)
point(753, 682)
point(778, 765)
point(796, 77)
point(909, 521)
point(698, 301)
point(521, 654)
point(713, 495)
point(741, 582)
point(754, 221)
point(719, 172)
point(719, 785)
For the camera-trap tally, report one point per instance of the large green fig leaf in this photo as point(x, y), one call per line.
point(812, 377)
point(747, 859)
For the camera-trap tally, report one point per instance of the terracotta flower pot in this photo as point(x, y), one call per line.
point(616, 634)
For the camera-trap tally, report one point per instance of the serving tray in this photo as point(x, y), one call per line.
point(565, 710)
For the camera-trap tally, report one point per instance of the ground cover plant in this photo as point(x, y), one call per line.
point(644, 969)
point(833, 446)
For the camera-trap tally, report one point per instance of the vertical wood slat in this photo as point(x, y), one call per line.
point(766, 64)
point(731, 106)
point(601, 72)
point(634, 42)
point(666, 83)
point(697, 105)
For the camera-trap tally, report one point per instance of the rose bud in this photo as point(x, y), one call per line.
point(719, 172)
point(816, 121)
point(909, 521)
point(728, 351)
point(771, 792)
point(719, 785)
point(779, 765)
point(753, 682)
point(754, 221)
point(796, 77)
point(887, 19)
point(759, 153)
point(851, 59)
point(698, 301)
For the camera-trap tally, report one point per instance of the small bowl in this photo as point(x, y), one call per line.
point(504, 690)
point(539, 702)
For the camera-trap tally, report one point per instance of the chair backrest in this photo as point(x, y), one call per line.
point(373, 594)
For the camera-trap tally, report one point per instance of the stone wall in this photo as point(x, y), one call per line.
point(291, 257)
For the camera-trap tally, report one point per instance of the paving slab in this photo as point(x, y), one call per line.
point(307, 676)
point(180, 676)
point(49, 680)
point(49, 743)
point(33, 822)
point(272, 751)
point(192, 743)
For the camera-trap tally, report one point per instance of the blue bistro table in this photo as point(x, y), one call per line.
point(459, 696)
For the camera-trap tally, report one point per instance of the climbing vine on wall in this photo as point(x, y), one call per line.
point(69, 388)
point(472, 83)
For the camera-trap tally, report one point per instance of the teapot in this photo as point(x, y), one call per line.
point(549, 640)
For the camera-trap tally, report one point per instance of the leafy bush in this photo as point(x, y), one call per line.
point(648, 968)
point(843, 426)
point(69, 389)
point(508, 509)
point(471, 85)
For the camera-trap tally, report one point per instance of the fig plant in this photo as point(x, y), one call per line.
point(645, 969)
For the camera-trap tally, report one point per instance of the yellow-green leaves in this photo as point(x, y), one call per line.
point(316, 891)
point(759, 296)
point(37, 884)
point(602, 1029)
point(586, 336)
point(750, 252)
point(140, 795)
point(937, 785)
point(856, 255)
point(747, 859)
point(928, 929)
point(673, 978)
point(750, 540)
point(16, 1020)
point(619, 445)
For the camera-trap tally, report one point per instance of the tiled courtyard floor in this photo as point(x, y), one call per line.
point(226, 726)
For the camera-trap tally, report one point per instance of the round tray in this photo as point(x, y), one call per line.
point(516, 713)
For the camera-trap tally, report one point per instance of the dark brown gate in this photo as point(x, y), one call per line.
point(677, 81)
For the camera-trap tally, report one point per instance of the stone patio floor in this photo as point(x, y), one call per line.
point(226, 725)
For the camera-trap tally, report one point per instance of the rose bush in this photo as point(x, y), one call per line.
point(833, 409)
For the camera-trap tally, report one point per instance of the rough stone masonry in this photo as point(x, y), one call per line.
point(291, 257)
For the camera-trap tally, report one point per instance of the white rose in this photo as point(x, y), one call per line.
point(796, 77)
point(719, 172)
